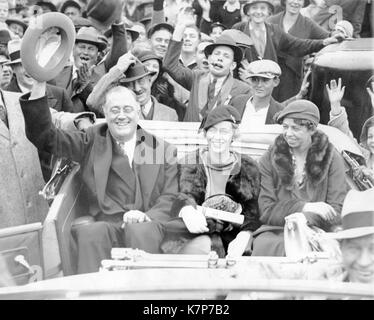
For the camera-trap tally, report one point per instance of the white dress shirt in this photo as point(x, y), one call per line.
point(252, 118)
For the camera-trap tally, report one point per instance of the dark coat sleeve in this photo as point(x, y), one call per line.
point(46, 137)
point(295, 46)
point(181, 74)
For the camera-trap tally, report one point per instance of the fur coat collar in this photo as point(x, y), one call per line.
point(317, 164)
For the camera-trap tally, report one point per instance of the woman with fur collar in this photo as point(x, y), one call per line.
point(301, 172)
point(216, 170)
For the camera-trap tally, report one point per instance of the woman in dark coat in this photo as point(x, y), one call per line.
point(294, 23)
point(301, 172)
point(217, 171)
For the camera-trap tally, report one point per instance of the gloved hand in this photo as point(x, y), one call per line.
point(194, 220)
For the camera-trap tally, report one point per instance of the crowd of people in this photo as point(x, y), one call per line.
point(230, 65)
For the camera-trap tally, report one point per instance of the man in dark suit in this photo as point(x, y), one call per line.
point(207, 89)
point(129, 176)
point(259, 107)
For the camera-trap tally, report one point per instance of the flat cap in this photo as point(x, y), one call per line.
point(264, 68)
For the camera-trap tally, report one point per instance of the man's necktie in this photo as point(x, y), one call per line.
point(212, 90)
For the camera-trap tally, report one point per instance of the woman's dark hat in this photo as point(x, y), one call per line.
point(135, 72)
point(252, 2)
point(219, 114)
point(70, 3)
point(159, 26)
point(225, 40)
point(300, 109)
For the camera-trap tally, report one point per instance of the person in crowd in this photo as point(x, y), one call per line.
point(71, 8)
point(141, 30)
point(270, 39)
point(4, 39)
point(294, 23)
point(206, 89)
point(301, 172)
point(6, 71)
point(133, 11)
point(357, 236)
point(160, 35)
point(339, 119)
point(201, 60)
point(139, 80)
point(131, 36)
point(129, 193)
point(4, 11)
point(16, 25)
point(214, 171)
point(259, 107)
point(191, 39)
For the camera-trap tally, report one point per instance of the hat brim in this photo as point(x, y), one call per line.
point(247, 5)
point(127, 80)
point(100, 45)
point(262, 75)
point(19, 22)
point(159, 26)
point(350, 233)
point(238, 53)
point(12, 62)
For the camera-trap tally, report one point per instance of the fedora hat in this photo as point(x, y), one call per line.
point(241, 39)
point(225, 40)
point(14, 50)
point(48, 4)
point(18, 20)
point(146, 55)
point(30, 42)
point(70, 3)
point(252, 2)
point(134, 34)
point(5, 36)
point(159, 26)
point(103, 12)
point(90, 35)
point(135, 72)
point(357, 215)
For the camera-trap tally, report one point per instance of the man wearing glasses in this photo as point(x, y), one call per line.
point(129, 176)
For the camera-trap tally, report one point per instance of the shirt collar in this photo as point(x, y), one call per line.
point(129, 148)
point(261, 27)
point(147, 107)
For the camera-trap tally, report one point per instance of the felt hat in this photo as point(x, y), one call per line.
point(70, 3)
point(159, 26)
point(4, 36)
point(18, 20)
point(80, 22)
point(146, 55)
point(103, 12)
point(357, 215)
point(14, 50)
point(48, 4)
point(264, 69)
point(220, 114)
point(252, 2)
point(90, 35)
point(300, 109)
point(241, 39)
point(225, 40)
point(135, 72)
point(134, 34)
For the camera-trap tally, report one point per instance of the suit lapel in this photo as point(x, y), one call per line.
point(102, 160)
point(203, 91)
point(15, 118)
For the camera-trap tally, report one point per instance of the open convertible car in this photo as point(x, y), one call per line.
point(41, 255)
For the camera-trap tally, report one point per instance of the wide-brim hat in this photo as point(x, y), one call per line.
point(48, 4)
point(135, 72)
point(14, 51)
point(159, 26)
point(70, 3)
point(252, 2)
point(241, 39)
point(225, 40)
point(357, 215)
point(299, 109)
point(103, 12)
point(134, 34)
point(17, 21)
point(90, 35)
